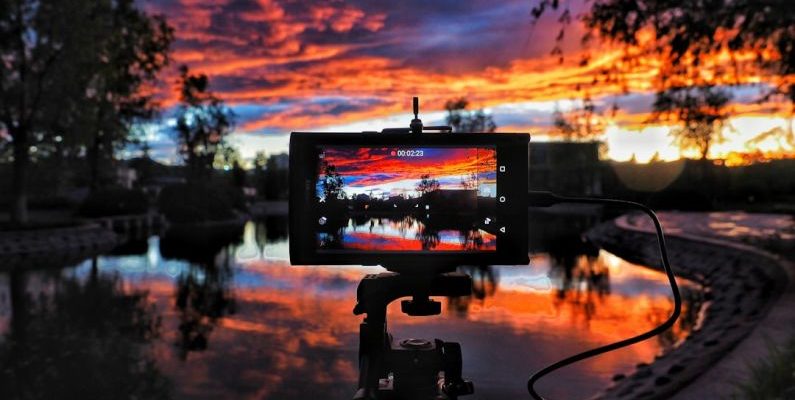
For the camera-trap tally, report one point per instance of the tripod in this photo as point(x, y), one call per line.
point(410, 368)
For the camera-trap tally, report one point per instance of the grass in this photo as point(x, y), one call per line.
point(772, 377)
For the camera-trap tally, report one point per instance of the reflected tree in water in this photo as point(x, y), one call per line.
point(81, 338)
point(692, 299)
point(484, 285)
point(428, 237)
point(580, 278)
point(269, 230)
point(203, 293)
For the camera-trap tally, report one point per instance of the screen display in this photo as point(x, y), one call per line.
point(406, 199)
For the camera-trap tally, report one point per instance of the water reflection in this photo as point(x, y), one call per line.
point(407, 232)
point(231, 318)
point(73, 337)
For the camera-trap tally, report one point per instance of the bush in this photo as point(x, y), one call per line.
point(113, 201)
point(194, 202)
point(772, 376)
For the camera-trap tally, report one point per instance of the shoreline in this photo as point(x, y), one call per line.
point(54, 246)
point(740, 285)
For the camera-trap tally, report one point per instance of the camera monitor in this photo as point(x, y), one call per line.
point(404, 200)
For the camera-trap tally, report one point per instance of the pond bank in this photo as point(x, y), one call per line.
point(54, 245)
point(741, 285)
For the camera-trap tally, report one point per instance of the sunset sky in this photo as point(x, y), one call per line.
point(284, 66)
point(384, 172)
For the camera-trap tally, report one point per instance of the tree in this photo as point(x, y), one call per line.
point(582, 123)
point(59, 59)
point(701, 111)
point(332, 183)
point(689, 38)
point(260, 160)
point(226, 156)
point(470, 181)
point(467, 121)
point(427, 185)
point(202, 123)
point(133, 50)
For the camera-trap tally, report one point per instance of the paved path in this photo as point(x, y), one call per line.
point(750, 232)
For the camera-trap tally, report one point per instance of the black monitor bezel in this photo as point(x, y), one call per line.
point(511, 183)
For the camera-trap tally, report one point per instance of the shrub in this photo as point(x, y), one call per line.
point(197, 202)
point(114, 201)
point(772, 376)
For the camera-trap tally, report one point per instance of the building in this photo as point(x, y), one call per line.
point(567, 168)
point(279, 161)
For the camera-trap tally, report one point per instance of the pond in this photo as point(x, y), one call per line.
point(156, 319)
point(408, 233)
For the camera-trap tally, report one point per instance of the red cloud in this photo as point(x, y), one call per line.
point(372, 165)
point(335, 49)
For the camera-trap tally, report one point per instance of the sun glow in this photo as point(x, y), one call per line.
point(286, 67)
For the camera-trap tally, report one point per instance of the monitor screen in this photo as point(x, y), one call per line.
point(406, 199)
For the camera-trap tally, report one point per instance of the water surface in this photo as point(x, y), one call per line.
point(157, 319)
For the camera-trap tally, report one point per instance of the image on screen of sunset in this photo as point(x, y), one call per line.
point(406, 198)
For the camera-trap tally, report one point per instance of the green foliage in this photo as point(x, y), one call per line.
point(467, 121)
point(773, 376)
point(112, 201)
point(200, 202)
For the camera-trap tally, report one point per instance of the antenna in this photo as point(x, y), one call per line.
point(416, 127)
point(416, 123)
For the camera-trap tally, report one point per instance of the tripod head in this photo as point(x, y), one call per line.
point(409, 368)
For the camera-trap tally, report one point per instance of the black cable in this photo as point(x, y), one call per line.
point(546, 199)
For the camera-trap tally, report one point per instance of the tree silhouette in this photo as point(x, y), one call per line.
point(462, 120)
point(688, 37)
point(427, 185)
point(470, 181)
point(700, 110)
point(202, 123)
point(332, 183)
point(582, 123)
point(71, 76)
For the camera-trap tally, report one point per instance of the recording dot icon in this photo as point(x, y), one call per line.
point(393, 153)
